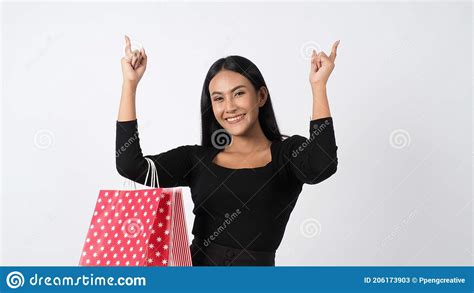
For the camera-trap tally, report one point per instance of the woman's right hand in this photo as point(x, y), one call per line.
point(133, 63)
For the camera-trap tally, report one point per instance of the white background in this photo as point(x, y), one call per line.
point(400, 97)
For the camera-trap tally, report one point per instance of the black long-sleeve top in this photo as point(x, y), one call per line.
point(242, 208)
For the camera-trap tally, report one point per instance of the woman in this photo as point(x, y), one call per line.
point(245, 189)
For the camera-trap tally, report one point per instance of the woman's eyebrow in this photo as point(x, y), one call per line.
point(239, 86)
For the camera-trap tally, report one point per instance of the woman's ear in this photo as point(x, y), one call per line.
point(262, 96)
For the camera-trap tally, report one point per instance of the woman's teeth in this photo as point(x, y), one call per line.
point(235, 119)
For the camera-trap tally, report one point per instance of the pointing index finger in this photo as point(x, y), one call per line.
point(128, 49)
point(333, 54)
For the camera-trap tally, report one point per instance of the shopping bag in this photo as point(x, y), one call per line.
point(143, 227)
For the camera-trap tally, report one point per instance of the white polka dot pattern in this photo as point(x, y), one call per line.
point(135, 228)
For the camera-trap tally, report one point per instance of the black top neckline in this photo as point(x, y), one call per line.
point(216, 151)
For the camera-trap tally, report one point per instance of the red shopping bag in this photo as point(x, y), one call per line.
point(143, 227)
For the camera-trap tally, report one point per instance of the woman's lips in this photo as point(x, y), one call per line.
point(236, 119)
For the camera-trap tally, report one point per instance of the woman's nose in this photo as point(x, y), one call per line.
point(230, 105)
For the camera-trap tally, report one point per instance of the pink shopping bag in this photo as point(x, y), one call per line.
point(143, 227)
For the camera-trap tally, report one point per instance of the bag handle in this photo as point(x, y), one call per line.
point(154, 176)
point(130, 183)
point(154, 173)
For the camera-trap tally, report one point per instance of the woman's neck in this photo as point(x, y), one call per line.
point(252, 141)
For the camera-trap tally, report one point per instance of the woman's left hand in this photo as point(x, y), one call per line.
point(322, 66)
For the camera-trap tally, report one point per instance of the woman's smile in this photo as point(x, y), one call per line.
point(235, 119)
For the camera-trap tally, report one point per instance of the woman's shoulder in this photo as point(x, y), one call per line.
point(195, 149)
point(289, 142)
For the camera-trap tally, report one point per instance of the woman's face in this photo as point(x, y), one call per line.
point(233, 96)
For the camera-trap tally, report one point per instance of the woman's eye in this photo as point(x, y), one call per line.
point(240, 93)
point(217, 99)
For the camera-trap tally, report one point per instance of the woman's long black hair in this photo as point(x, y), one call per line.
point(247, 68)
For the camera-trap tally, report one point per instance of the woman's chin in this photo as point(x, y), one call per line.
point(237, 129)
point(236, 132)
